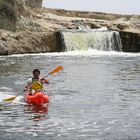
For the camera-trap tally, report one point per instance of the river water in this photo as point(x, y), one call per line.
point(95, 97)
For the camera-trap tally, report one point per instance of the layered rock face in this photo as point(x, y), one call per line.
point(130, 41)
point(27, 42)
point(37, 29)
point(34, 3)
point(10, 11)
point(8, 14)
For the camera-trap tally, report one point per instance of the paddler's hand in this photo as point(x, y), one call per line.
point(25, 89)
point(44, 81)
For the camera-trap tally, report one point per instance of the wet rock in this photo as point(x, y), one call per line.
point(130, 41)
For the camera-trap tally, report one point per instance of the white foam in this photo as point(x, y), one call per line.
point(92, 52)
point(19, 100)
point(89, 52)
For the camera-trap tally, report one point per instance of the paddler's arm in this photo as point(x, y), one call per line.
point(28, 85)
point(26, 88)
point(44, 81)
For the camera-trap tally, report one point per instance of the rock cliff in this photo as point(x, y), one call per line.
point(8, 14)
point(37, 29)
point(34, 3)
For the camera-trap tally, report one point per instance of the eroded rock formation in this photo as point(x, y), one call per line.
point(36, 29)
point(34, 3)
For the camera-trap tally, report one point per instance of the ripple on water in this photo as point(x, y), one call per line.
point(93, 98)
point(6, 89)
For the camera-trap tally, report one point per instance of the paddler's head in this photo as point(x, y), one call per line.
point(36, 73)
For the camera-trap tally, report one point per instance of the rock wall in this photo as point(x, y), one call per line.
point(8, 15)
point(130, 41)
point(27, 42)
point(37, 30)
point(34, 3)
point(21, 7)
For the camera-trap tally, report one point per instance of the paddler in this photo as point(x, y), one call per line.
point(35, 83)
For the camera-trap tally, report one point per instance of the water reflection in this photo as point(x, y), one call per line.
point(38, 113)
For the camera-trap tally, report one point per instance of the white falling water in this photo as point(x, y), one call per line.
point(91, 39)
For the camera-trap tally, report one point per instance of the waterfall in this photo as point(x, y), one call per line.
point(100, 39)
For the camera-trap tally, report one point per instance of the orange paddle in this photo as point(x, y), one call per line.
point(57, 69)
point(10, 99)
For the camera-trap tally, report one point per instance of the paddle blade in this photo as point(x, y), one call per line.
point(56, 70)
point(10, 99)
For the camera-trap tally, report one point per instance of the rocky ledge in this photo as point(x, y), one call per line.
point(36, 30)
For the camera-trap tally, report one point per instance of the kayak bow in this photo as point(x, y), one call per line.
point(38, 98)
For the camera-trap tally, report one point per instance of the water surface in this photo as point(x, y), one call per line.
point(95, 96)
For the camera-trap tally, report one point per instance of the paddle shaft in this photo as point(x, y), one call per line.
point(57, 69)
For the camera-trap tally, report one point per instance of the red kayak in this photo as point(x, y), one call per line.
point(38, 98)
